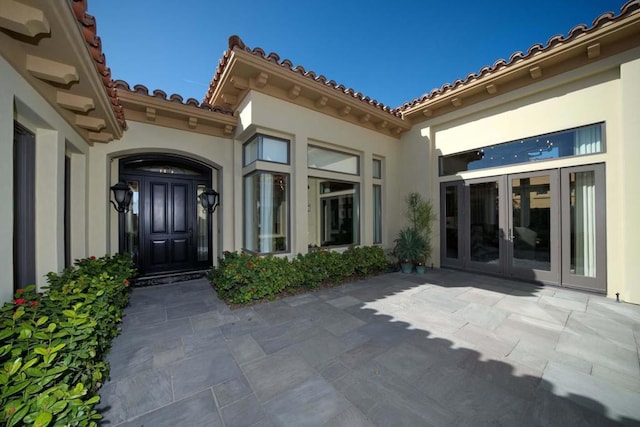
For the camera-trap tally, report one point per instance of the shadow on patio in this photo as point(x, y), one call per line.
point(447, 348)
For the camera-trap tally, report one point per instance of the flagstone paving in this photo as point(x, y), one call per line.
point(444, 349)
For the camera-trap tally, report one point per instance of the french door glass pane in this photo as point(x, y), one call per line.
point(484, 217)
point(531, 210)
point(451, 221)
point(582, 187)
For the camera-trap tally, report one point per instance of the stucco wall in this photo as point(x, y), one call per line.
point(626, 254)
point(604, 92)
point(268, 115)
point(148, 138)
point(20, 102)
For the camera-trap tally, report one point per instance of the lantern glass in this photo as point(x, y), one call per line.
point(209, 200)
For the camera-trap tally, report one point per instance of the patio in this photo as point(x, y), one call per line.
point(447, 348)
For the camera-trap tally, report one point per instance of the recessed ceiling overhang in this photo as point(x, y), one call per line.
point(53, 45)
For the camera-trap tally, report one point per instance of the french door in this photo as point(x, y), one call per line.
point(545, 226)
point(533, 249)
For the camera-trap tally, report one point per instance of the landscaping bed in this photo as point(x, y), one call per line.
point(242, 278)
point(53, 346)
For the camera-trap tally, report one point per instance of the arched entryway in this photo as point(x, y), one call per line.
point(166, 230)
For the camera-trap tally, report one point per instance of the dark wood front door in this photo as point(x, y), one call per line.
point(165, 231)
point(168, 224)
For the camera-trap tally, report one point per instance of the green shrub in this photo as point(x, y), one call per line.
point(367, 260)
point(242, 277)
point(53, 346)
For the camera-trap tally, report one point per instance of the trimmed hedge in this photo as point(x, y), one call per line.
point(53, 346)
point(242, 277)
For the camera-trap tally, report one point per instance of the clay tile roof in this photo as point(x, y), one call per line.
point(88, 26)
point(160, 94)
point(628, 8)
point(235, 42)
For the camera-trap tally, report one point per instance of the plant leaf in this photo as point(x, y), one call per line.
point(43, 419)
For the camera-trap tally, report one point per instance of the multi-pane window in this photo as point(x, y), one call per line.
point(266, 195)
point(334, 202)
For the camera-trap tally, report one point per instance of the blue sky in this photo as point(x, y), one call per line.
point(390, 51)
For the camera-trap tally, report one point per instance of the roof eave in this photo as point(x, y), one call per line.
point(587, 47)
point(241, 71)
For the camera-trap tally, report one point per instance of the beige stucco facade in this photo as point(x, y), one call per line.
point(54, 137)
point(563, 102)
point(77, 155)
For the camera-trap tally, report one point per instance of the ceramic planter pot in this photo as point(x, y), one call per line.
point(406, 267)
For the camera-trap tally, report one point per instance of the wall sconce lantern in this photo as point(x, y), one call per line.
point(123, 194)
point(209, 199)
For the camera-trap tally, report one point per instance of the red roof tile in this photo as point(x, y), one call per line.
point(88, 26)
point(236, 42)
point(628, 8)
point(160, 94)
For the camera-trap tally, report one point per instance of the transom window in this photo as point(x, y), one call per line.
point(377, 169)
point(572, 142)
point(331, 160)
point(266, 148)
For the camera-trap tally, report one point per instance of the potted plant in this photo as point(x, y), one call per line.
point(419, 262)
point(414, 241)
point(409, 245)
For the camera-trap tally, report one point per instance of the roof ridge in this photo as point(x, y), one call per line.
point(236, 42)
point(602, 19)
point(160, 94)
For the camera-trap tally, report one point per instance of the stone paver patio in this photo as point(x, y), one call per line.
point(447, 348)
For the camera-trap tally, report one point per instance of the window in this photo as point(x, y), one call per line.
point(572, 142)
point(266, 212)
point(330, 160)
point(377, 201)
point(377, 214)
point(334, 213)
point(377, 169)
point(266, 148)
point(24, 202)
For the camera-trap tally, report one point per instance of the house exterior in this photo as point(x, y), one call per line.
point(530, 162)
